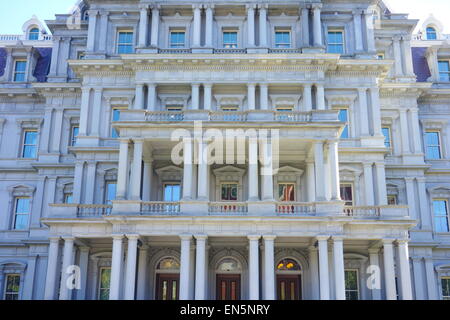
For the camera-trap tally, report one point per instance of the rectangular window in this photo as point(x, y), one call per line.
point(445, 282)
point(230, 39)
point(172, 192)
point(68, 197)
point(104, 283)
point(283, 38)
point(351, 285)
point(343, 117)
point(335, 41)
point(392, 200)
point(177, 38)
point(29, 144)
point(347, 193)
point(21, 213)
point(125, 42)
point(12, 287)
point(20, 67)
point(174, 107)
point(115, 117)
point(229, 192)
point(73, 135)
point(433, 145)
point(111, 187)
point(444, 70)
point(286, 192)
point(440, 209)
point(387, 137)
point(380, 56)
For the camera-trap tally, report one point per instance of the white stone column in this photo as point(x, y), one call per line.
point(84, 110)
point(411, 197)
point(253, 179)
point(376, 111)
point(363, 111)
point(319, 170)
point(269, 267)
point(207, 96)
point(78, 181)
point(381, 183)
point(307, 97)
point(197, 25)
point(404, 132)
point(195, 96)
point(415, 130)
point(141, 293)
point(323, 268)
point(320, 96)
point(266, 158)
point(185, 266)
point(203, 167)
point(155, 26)
point(431, 278)
point(405, 273)
point(376, 281)
point(263, 25)
point(52, 264)
point(370, 32)
point(397, 57)
point(58, 123)
point(368, 184)
point(188, 168)
point(311, 183)
point(136, 170)
point(407, 55)
point(45, 133)
point(389, 270)
point(314, 272)
point(96, 112)
point(147, 180)
point(357, 23)
point(317, 24)
point(143, 26)
point(339, 275)
point(209, 25)
point(64, 291)
point(130, 276)
point(116, 267)
point(418, 278)
point(334, 170)
point(425, 217)
point(90, 182)
point(104, 16)
point(122, 174)
point(264, 96)
point(305, 26)
point(250, 25)
point(151, 97)
point(139, 97)
point(92, 30)
point(84, 262)
point(253, 267)
point(200, 267)
point(251, 89)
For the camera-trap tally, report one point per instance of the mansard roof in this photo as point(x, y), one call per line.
point(420, 63)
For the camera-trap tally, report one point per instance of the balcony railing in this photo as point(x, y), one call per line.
point(93, 210)
point(160, 208)
point(17, 37)
point(164, 116)
point(229, 51)
point(295, 208)
point(228, 208)
point(285, 50)
point(234, 116)
point(174, 51)
point(363, 211)
point(292, 116)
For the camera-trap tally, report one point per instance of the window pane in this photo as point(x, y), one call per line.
point(343, 117)
point(431, 34)
point(21, 66)
point(351, 284)
point(12, 287)
point(172, 192)
point(105, 279)
point(177, 39)
point(21, 222)
point(433, 145)
point(440, 209)
point(445, 288)
point(347, 194)
point(21, 213)
point(387, 137)
point(229, 192)
point(286, 192)
point(110, 192)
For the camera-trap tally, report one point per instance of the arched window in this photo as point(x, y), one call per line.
point(33, 34)
point(229, 265)
point(288, 265)
point(431, 33)
point(168, 264)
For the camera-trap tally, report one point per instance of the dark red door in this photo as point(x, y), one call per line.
point(167, 286)
point(289, 287)
point(228, 287)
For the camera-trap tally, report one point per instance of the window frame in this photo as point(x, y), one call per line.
point(447, 216)
point(287, 183)
point(34, 31)
point(5, 293)
point(351, 184)
point(125, 44)
point(73, 137)
point(347, 126)
point(226, 45)
point(24, 72)
point(177, 45)
point(24, 145)
point(28, 214)
point(168, 183)
point(433, 146)
point(336, 30)
point(108, 183)
point(287, 30)
point(222, 184)
point(446, 73)
point(114, 134)
point(442, 288)
point(389, 136)
point(99, 290)
point(433, 32)
point(392, 196)
point(357, 283)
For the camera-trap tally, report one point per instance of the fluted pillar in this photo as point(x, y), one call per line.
point(139, 97)
point(319, 170)
point(151, 97)
point(209, 26)
point(84, 111)
point(92, 30)
point(64, 291)
point(141, 291)
point(307, 97)
point(264, 96)
point(136, 170)
point(334, 170)
point(143, 26)
point(207, 96)
point(357, 23)
point(339, 275)
point(404, 132)
point(203, 167)
point(380, 173)
point(318, 42)
point(320, 96)
point(116, 267)
point(263, 25)
point(130, 276)
point(323, 268)
point(251, 89)
point(200, 267)
point(368, 184)
point(269, 267)
point(155, 26)
point(122, 174)
point(389, 270)
point(195, 96)
point(253, 180)
point(197, 25)
point(305, 26)
point(398, 57)
point(185, 266)
point(253, 267)
point(251, 25)
point(405, 273)
point(188, 168)
point(363, 111)
point(375, 274)
point(52, 264)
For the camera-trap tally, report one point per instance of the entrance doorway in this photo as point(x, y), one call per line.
point(288, 287)
point(167, 286)
point(228, 287)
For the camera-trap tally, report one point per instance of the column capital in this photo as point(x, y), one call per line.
point(104, 13)
point(138, 140)
point(263, 6)
point(68, 238)
point(316, 6)
point(133, 236)
point(209, 6)
point(402, 241)
point(144, 6)
point(253, 237)
point(185, 237)
point(200, 236)
point(387, 242)
point(250, 7)
point(374, 250)
point(322, 238)
point(92, 13)
point(337, 238)
point(421, 179)
point(357, 11)
point(269, 237)
point(208, 85)
point(54, 239)
point(117, 236)
point(155, 8)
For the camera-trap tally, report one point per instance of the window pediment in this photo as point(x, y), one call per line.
point(170, 173)
point(283, 100)
point(440, 192)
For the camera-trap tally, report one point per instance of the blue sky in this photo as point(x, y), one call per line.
point(15, 12)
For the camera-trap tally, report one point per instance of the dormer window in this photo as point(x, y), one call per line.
point(19, 70)
point(33, 34)
point(431, 33)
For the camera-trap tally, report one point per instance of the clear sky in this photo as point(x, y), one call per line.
point(13, 13)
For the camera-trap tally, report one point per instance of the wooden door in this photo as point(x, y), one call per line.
point(228, 287)
point(167, 286)
point(289, 287)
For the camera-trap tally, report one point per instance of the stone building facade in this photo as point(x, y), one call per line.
point(93, 204)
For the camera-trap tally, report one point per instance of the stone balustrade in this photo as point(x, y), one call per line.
point(160, 208)
point(228, 208)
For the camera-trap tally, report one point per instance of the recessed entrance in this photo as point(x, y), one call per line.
point(228, 287)
point(289, 284)
point(167, 286)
